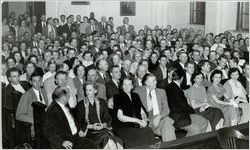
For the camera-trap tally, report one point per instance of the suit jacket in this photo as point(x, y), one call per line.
point(24, 110)
point(101, 92)
point(56, 127)
point(184, 85)
point(79, 88)
point(49, 85)
point(46, 31)
point(65, 28)
point(179, 67)
point(11, 97)
point(101, 80)
point(112, 89)
point(180, 110)
point(130, 29)
point(159, 74)
point(101, 29)
point(104, 114)
point(39, 27)
point(123, 75)
point(89, 30)
point(161, 99)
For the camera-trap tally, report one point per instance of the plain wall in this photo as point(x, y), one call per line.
point(17, 7)
point(220, 16)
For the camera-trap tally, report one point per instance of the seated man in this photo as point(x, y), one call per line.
point(155, 102)
point(24, 110)
point(183, 114)
point(60, 128)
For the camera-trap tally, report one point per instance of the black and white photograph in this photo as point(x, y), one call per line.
point(141, 74)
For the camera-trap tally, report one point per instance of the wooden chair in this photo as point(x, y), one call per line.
point(39, 119)
point(227, 138)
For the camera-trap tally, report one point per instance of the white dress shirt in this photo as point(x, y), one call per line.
point(69, 117)
point(18, 87)
point(152, 102)
point(188, 79)
point(37, 95)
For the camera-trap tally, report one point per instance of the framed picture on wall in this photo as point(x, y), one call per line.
point(127, 8)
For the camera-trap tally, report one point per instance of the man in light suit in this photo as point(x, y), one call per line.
point(24, 110)
point(126, 27)
point(50, 29)
point(156, 104)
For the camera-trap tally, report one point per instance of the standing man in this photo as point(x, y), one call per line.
point(126, 27)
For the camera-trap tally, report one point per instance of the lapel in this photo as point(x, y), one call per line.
point(62, 116)
point(144, 93)
point(33, 94)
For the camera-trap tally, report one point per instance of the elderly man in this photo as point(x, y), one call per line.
point(156, 104)
point(61, 128)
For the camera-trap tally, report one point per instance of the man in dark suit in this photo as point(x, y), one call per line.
point(102, 25)
point(95, 48)
point(186, 83)
point(113, 85)
point(126, 27)
point(180, 63)
point(156, 104)
point(125, 70)
point(183, 114)
point(10, 100)
point(92, 27)
point(196, 58)
point(61, 128)
point(102, 71)
point(69, 27)
point(41, 24)
point(161, 71)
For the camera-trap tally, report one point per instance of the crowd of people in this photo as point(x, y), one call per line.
point(107, 87)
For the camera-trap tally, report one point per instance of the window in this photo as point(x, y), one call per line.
point(197, 13)
point(243, 16)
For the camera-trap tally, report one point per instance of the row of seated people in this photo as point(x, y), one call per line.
point(159, 112)
point(145, 84)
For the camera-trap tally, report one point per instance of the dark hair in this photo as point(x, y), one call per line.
point(59, 92)
point(27, 63)
point(232, 70)
point(236, 60)
point(35, 74)
point(202, 63)
point(86, 52)
point(11, 58)
point(177, 75)
point(128, 78)
point(145, 78)
point(216, 71)
point(76, 68)
point(12, 70)
point(189, 63)
point(162, 56)
point(194, 76)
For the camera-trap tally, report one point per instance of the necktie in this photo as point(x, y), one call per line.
point(40, 96)
point(103, 26)
point(150, 106)
point(104, 77)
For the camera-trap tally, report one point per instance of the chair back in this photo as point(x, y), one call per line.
point(227, 137)
point(39, 119)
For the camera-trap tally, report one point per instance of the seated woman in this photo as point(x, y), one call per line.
point(94, 120)
point(131, 122)
point(218, 98)
point(198, 99)
point(236, 91)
